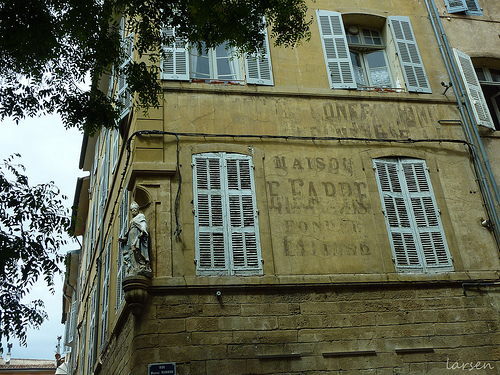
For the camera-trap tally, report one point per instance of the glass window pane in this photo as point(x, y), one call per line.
point(200, 66)
point(495, 75)
point(480, 74)
point(379, 72)
point(358, 68)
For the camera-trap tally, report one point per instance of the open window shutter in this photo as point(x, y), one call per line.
point(116, 148)
point(401, 235)
point(209, 215)
point(175, 65)
point(111, 83)
point(426, 215)
point(474, 91)
point(336, 50)
point(124, 96)
point(473, 8)
point(455, 6)
point(409, 55)
point(258, 67)
point(245, 247)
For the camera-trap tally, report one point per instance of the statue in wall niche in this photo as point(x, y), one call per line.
point(136, 252)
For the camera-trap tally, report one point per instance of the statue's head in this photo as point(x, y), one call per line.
point(134, 208)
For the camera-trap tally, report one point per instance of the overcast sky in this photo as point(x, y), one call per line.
point(50, 153)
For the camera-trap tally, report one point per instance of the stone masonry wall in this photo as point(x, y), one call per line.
point(419, 329)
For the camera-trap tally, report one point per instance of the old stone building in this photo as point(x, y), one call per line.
point(326, 209)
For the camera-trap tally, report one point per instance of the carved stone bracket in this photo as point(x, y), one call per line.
point(136, 292)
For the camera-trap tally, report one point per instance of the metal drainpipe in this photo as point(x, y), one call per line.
point(474, 138)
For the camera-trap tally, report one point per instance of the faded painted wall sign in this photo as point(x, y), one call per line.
point(318, 207)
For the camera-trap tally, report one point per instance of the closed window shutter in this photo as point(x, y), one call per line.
point(92, 329)
point(473, 8)
point(455, 6)
point(226, 225)
point(401, 234)
point(105, 294)
point(336, 50)
point(258, 67)
point(409, 55)
point(471, 82)
point(243, 215)
point(209, 212)
point(120, 269)
point(412, 218)
point(426, 216)
point(175, 65)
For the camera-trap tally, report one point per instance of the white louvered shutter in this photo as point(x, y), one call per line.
point(175, 66)
point(92, 335)
point(116, 148)
point(120, 269)
point(426, 216)
point(401, 234)
point(473, 8)
point(455, 6)
point(124, 96)
point(209, 212)
point(105, 294)
point(258, 67)
point(471, 82)
point(409, 55)
point(226, 227)
point(245, 247)
point(111, 83)
point(336, 50)
point(412, 218)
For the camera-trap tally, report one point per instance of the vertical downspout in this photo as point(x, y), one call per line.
point(468, 123)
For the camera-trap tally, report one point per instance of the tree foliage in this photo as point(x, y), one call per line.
point(33, 223)
point(50, 48)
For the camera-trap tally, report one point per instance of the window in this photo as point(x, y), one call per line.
point(357, 58)
point(226, 223)
point(412, 218)
point(482, 112)
point(122, 229)
point(218, 63)
point(184, 63)
point(470, 7)
point(368, 57)
point(105, 293)
point(124, 96)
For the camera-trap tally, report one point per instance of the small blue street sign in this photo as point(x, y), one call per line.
point(161, 369)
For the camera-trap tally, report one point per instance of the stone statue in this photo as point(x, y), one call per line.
point(136, 252)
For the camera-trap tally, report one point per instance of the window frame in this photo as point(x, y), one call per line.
point(363, 49)
point(415, 230)
point(217, 215)
point(338, 61)
point(213, 63)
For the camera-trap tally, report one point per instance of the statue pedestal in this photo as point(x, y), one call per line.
point(136, 292)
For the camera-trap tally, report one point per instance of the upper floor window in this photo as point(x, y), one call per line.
point(412, 218)
point(226, 221)
point(357, 58)
point(182, 62)
point(219, 63)
point(470, 7)
point(368, 57)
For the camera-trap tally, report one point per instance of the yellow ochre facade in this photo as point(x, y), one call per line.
point(327, 209)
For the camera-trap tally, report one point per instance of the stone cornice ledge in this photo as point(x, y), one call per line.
point(148, 169)
point(316, 93)
point(340, 280)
